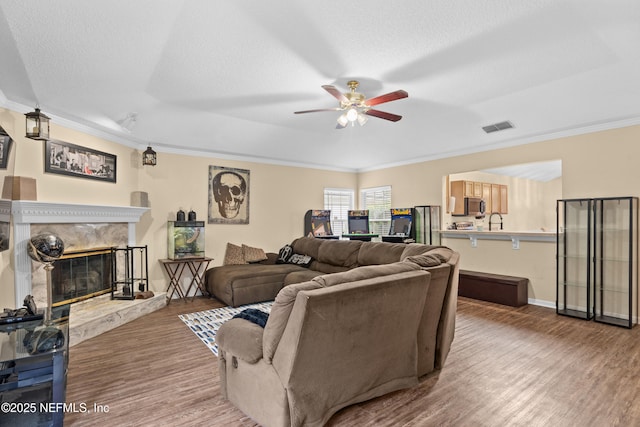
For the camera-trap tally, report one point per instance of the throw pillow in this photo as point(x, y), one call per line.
point(301, 260)
point(284, 254)
point(233, 255)
point(253, 254)
point(425, 260)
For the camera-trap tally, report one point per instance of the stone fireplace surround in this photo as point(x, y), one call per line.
point(79, 227)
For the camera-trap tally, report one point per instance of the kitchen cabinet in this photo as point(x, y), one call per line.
point(597, 252)
point(496, 196)
point(466, 189)
point(504, 199)
point(486, 196)
point(459, 189)
point(499, 199)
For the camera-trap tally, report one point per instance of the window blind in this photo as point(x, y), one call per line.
point(378, 201)
point(339, 201)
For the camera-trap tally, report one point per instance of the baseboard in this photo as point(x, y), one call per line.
point(542, 303)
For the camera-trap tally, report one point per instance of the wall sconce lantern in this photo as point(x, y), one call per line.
point(37, 125)
point(149, 157)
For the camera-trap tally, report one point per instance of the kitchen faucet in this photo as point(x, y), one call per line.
point(491, 216)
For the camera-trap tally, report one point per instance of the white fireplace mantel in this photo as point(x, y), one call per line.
point(27, 212)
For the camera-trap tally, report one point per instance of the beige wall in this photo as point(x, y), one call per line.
point(598, 164)
point(595, 164)
point(279, 196)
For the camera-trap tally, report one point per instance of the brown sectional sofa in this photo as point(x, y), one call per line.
point(364, 319)
point(237, 285)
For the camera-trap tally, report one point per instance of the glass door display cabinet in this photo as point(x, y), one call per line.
point(574, 296)
point(427, 225)
point(615, 261)
point(597, 251)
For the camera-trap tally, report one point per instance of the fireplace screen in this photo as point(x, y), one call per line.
point(81, 275)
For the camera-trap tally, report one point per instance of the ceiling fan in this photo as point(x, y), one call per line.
point(356, 108)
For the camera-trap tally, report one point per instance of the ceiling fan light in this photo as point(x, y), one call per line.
point(342, 120)
point(352, 114)
point(362, 119)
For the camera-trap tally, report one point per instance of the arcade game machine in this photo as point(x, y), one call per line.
point(358, 222)
point(401, 230)
point(317, 223)
point(427, 225)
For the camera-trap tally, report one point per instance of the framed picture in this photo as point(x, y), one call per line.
point(228, 195)
point(73, 160)
point(5, 146)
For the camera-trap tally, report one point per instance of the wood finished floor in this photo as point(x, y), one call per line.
point(507, 367)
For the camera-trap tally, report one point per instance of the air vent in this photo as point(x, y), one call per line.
point(497, 126)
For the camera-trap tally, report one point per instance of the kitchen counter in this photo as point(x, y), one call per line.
point(522, 253)
point(514, 236)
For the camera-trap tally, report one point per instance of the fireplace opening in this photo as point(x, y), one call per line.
point(80, 275)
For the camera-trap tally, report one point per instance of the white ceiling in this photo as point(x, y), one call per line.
point(224, 78)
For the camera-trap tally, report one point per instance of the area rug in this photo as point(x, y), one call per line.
point(205, 324)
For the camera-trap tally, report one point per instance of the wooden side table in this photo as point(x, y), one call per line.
point(175, 269)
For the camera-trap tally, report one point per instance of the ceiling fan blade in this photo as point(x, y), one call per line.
point(320, 109)
point(336, 93)
point(382, 115)
point(391, 96)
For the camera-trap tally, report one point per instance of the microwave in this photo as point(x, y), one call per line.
point(472, 207)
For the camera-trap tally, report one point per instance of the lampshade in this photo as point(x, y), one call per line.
point(362, 119)
point(149, 157)
point(342, 120)
point(352, 114)
point(37, 125)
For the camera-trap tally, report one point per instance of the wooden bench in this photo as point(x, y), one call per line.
point(498, 288)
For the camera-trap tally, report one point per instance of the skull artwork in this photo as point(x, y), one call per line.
point(229, 192)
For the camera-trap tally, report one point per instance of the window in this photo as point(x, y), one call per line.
point(378, 201)
point(339, 201)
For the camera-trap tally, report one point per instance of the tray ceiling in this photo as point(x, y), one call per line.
point(224, 78)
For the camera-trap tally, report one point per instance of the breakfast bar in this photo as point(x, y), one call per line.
point(526, 254)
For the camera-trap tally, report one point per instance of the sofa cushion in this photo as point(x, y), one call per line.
point(279, 316)
point(366, 272)
point(419, 249)
point(373, 253)
point(426, 260)
point(241, 338)
point(233, 255)
point(245, 284)
point(325, 268)
point(340, 252)
point(253, 254)
point(301, 276)
point(307, 246)
point(443, 253)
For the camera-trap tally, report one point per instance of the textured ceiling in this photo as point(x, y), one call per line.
point(224, 78)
